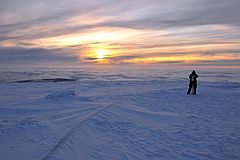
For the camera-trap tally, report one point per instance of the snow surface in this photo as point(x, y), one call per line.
point(119, 120)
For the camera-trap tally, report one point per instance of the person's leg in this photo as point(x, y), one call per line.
point(189, 88)
point(195, 89)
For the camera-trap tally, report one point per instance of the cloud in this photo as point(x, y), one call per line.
point(138, 14)
point(206, 27)
point(119, 58)
point(233, 62)
point(23, 55)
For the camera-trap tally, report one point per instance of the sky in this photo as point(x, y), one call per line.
point(114, 32)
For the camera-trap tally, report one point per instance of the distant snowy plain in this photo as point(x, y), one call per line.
point(119, 115)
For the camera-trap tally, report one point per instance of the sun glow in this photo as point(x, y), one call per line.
point(101, 53)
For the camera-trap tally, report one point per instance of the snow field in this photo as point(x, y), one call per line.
point(119, 120)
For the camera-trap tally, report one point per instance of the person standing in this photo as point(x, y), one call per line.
point(193, 83)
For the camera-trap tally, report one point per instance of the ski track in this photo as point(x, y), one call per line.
point(65, 137)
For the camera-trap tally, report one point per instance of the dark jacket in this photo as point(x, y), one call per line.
point(193, 77)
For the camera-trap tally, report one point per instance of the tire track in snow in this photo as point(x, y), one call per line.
point(69, 133)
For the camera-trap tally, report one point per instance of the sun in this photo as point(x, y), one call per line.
point(101, 53)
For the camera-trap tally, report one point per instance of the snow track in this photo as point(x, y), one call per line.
point(70, 132)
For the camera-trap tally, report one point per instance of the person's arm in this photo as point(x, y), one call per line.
point(196, 76)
